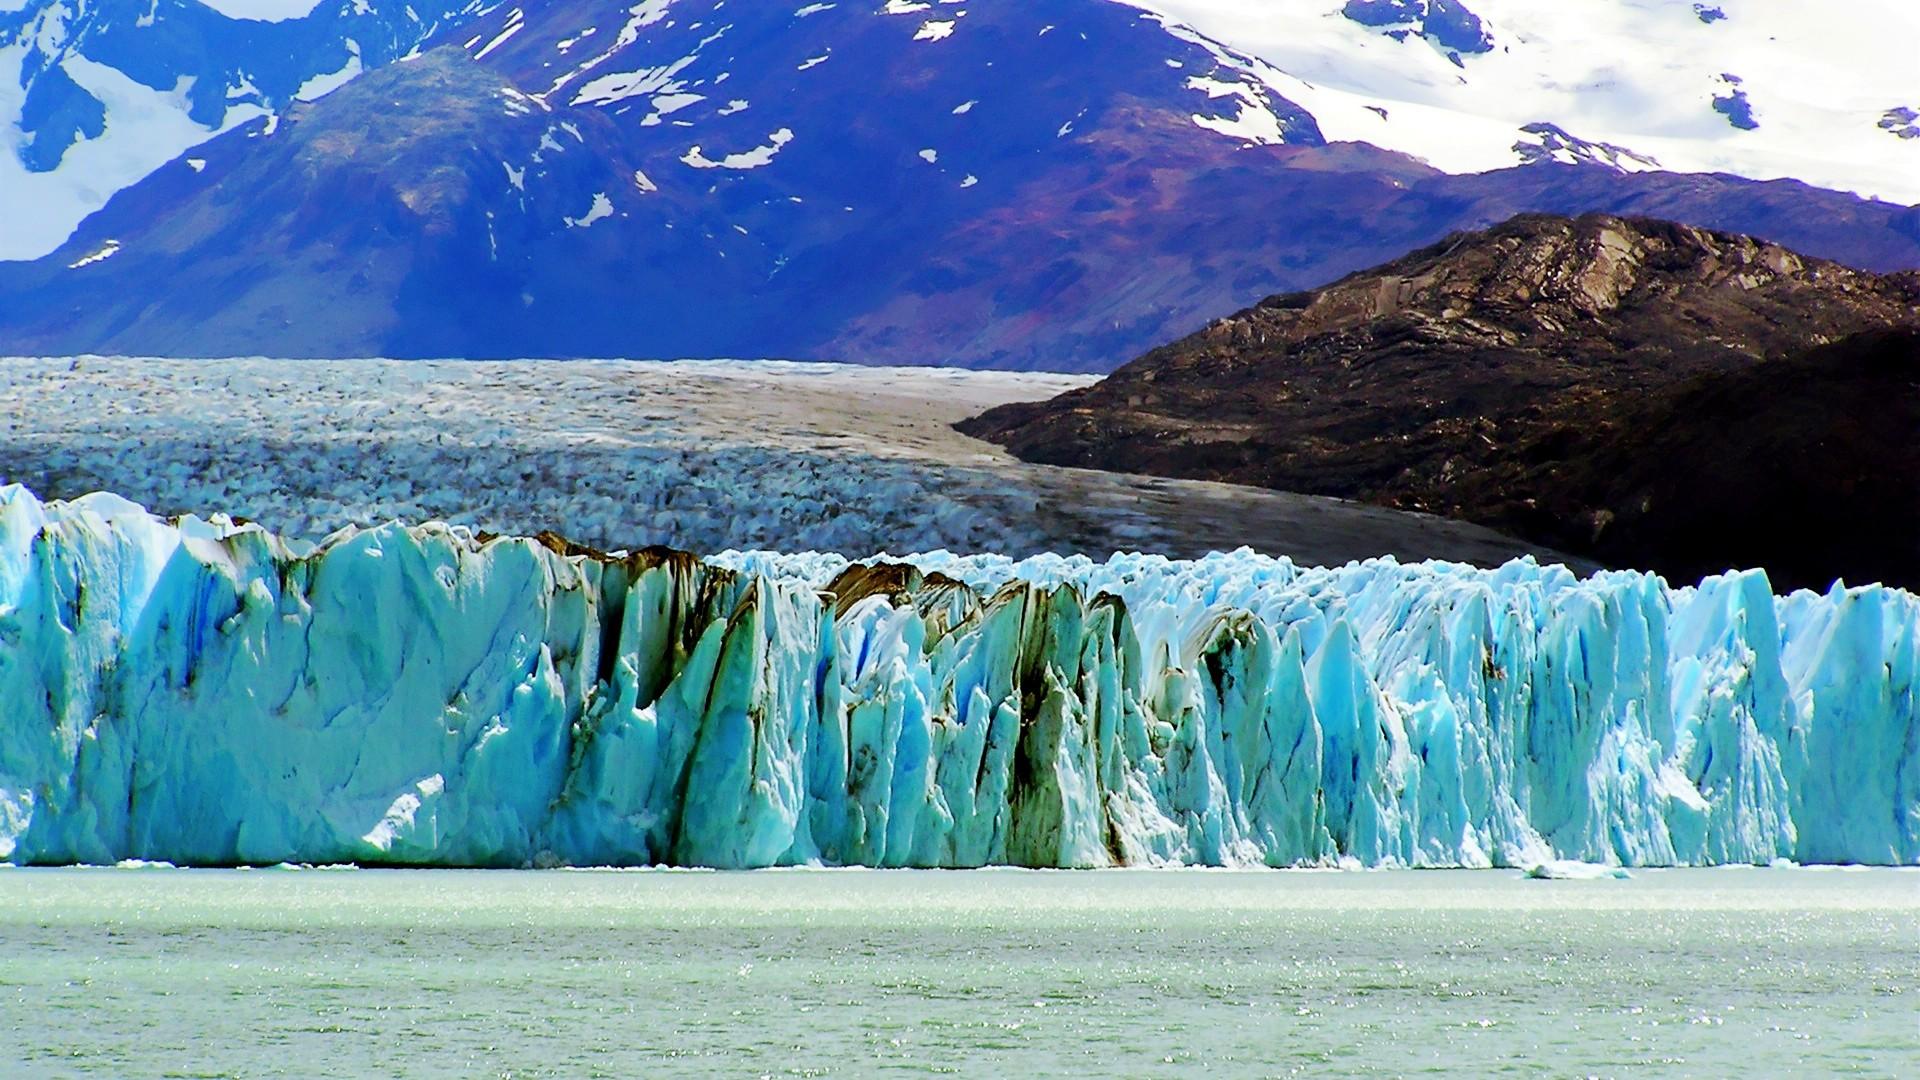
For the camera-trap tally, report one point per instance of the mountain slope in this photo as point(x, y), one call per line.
point(97, 94)
point(1469, 379)
point(739, 237)
point(1056, 184)
point(353, 222)
point(1822, 93)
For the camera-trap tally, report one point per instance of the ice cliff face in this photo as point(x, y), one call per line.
point(205, 693)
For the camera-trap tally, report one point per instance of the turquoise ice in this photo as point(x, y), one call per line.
point(201, 692)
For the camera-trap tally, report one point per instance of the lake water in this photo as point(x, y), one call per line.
point(158, 972)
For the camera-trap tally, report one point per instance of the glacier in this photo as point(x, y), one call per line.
point(203, 692)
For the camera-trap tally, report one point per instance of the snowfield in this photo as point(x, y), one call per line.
point(699, 455)
point(1757, 88)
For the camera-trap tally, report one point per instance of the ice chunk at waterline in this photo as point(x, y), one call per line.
point(201, 693)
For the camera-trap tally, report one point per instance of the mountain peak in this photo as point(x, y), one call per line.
point(1544, 274)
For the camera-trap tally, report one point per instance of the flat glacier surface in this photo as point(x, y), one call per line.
point(700, 455)
point(149, 973)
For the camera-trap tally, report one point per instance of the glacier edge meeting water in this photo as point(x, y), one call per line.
point(203, 693)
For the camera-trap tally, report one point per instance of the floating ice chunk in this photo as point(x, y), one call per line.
point(1568, 870)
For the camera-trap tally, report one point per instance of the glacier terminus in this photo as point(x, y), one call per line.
point(202, 692)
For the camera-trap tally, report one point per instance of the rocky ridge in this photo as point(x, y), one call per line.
point(1470, 378)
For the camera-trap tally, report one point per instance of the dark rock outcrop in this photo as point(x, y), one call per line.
point(1626, 388)
point(1806, 465)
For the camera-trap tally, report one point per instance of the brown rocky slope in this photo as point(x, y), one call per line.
point(1588, 383)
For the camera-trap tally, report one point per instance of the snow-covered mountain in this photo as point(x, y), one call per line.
point(108, 91)
point(97, 94)
point(1827, 93)
point(1051, 183)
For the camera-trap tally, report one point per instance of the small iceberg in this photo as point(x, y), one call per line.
point(1573, 870)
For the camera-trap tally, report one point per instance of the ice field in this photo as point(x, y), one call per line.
point(205, 693)
point(701, 455)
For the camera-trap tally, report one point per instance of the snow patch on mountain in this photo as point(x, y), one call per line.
point(104, 252)
point(321, 85)
point(600, 209)
point(515, 23)
point(1253, 119)
point(1754, 88)
point(755, 158)
point(143, 129)
point(1542, 142)
point(263, 10)
point(622, 85)
point(96, 95)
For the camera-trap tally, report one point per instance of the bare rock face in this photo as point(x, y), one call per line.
point(1580, 288)
point(1458, 379)
point(1807, 465)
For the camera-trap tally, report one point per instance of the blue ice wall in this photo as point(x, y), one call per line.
point(202, 693)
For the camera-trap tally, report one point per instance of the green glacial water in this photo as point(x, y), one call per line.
point(157, 972)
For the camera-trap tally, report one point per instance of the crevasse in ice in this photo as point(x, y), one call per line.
point(202, 693)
